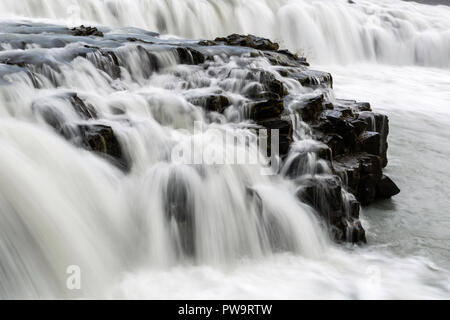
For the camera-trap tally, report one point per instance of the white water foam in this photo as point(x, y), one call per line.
point(387, 31)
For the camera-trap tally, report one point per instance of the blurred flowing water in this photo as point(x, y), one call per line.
point(60, 205)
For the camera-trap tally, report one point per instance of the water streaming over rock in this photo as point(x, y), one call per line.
point(89, 126)
point(130, 204)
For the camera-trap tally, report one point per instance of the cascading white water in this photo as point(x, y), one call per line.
point(61, 205)
point(390, 31)
point(161, 213)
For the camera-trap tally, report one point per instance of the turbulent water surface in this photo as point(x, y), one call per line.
point(60, 205)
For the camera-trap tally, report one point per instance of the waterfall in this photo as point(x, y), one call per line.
point(386, 31)
point(62, 205)
point(92, 130)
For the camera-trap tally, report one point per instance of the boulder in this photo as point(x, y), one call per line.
point(284, 58)
point(370, 142)
point(267, 109)
point(335, 142)
point(310, 109)
point(271, 84)
point(386, 188)
point(325, 195)
point(267, 86)
point(360, 126)
point(313, 78)
point(83, 31)
point(102, 140)
point(190, 56)
point(343, 127)
point(362, 172)
point(249, 41)
point(298, 162)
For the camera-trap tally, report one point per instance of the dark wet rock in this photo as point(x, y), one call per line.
point(382, 127)
point(299, 164)
point(263, 95)
point(107, 61)
point(325, 195)
point(268, 85)
point(271, 84)
point(102, 140)
point(83, 31)
point(348, 167)
point(336, 131)
point(249, 41)
point(310, 109)
point(267, 109)
point(85, 110)
point(180, 210)
point(370, 142)
point(151, 64)
point(358, 140)
point(313, 78)
point(386, 188)
point(362, 172)
point(285, 131)
point(215, 102)
point(379, 123)
point(355, 231)
point(55, 117)
point(335, 142)
point(285, 59)
point(360, 126)
point(354, 105)
point(132, 39)
point(270, 49)
point(190, 56)
point(344, 111)
point(254, 198)
point(354, 137)
point(354, 208)
point(293, 56)
point(207, 43)
point(45, 64)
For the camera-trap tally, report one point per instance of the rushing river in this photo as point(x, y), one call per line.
point(394, 54)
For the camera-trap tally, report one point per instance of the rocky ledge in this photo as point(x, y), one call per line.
point(355, 140)
point(349, 140)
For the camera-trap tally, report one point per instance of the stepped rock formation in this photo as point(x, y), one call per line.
point(332, 150)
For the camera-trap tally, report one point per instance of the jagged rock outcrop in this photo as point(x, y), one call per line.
point(95, 137)
point(324, 193)
point(86, 31)
point(339, 167)
point(355, 138)
point(101, 139)
point(249, 41)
